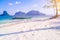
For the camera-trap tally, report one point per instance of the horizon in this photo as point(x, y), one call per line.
point(21, 11)
point(13, 6)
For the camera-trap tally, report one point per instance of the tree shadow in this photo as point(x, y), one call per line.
point(54, 28)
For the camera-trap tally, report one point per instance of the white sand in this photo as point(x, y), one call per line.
point(31, 35)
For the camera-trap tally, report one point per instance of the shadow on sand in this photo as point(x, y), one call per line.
point(54, 28)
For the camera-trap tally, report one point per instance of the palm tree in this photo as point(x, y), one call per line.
point(54, 6)
point(55, 3)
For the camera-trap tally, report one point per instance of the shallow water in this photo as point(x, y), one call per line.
point(4, 21)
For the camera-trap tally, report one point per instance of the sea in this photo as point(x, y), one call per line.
point(8, 20)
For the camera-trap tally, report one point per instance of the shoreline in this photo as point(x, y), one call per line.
point(30, 27)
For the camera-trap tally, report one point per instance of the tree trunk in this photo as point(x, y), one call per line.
point(55, 3)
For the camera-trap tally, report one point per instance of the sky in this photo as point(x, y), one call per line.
point(13, 6)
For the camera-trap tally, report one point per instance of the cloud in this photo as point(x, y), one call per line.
point(17, 2)
point(10, 4)
point(35, 5)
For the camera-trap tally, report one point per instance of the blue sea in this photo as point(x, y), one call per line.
point(3, 18)
point(6, 20)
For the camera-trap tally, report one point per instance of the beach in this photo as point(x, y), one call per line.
point(31, 30)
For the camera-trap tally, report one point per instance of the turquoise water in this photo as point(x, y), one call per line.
point(4, 20)
point(7, 20)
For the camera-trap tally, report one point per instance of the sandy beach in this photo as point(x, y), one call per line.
point(31, 30)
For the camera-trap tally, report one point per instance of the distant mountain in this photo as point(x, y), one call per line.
point(19, 15)
point(5, 15)
point(34, 13)
point(30, 14)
